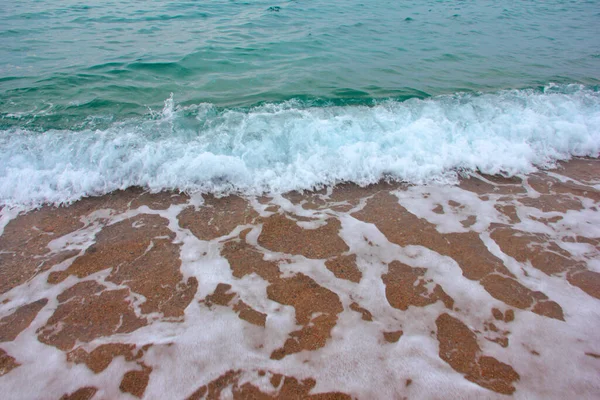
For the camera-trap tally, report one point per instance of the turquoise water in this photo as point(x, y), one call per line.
point(243, 94)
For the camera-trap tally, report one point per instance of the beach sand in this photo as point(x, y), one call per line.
point(480, 290)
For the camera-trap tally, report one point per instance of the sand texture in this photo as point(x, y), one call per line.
point(481, 290)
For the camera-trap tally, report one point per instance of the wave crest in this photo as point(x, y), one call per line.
point(294, 146)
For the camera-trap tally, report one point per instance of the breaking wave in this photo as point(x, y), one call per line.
point(297, 145)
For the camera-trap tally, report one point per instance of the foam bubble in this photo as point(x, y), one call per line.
point(295, 146)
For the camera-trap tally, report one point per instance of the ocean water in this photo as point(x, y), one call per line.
point(255, 96)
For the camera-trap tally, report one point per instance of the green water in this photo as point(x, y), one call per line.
point(228, 96)
point(75, 64)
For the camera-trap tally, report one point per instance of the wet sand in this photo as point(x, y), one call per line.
point(481, 290)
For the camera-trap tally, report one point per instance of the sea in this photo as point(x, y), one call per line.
point(250, 97)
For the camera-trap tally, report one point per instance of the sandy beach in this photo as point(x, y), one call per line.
point(481, 290)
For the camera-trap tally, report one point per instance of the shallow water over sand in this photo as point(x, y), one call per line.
point(478, 290)
point(295, 95)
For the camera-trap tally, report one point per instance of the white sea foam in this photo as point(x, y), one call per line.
point(287, 146)
point(211, 341)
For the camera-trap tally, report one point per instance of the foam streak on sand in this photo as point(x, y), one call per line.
point(478, 290)
point(302, 145)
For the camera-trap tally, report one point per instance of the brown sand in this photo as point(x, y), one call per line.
point(140, 256)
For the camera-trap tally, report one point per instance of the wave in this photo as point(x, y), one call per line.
point(294, 145)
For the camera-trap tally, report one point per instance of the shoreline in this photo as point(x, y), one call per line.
point(574, 162)
point(344, 292)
